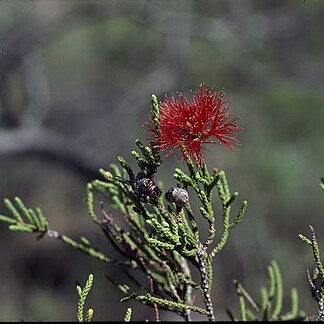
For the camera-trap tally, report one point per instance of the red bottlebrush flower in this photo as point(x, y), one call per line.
point(189, 124)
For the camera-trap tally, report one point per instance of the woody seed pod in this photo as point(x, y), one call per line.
point(178, 196)
point(145, 189)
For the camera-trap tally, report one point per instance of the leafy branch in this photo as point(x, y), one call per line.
point(162, 237)
point(322, 184)
point(128, 315)
point(271, 304)
point(23, 219)
point(317, 291)
point(83, 294)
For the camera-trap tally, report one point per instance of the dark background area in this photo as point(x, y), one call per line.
point(75, 85)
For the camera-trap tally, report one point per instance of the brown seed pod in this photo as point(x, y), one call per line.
point(178, 196)
point(145, 189)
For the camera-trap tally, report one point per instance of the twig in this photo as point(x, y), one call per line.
point(188, 294)
point(204, 284)
point(247, 297)
point(156, 309)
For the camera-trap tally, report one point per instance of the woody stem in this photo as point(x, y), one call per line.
point(204, 284)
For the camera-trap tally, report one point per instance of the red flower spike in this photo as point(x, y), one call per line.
point(187, 125)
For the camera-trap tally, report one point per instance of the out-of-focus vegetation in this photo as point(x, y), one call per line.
point(75, 85)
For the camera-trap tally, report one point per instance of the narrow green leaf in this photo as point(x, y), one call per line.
point(7, 219)
point(128, 315)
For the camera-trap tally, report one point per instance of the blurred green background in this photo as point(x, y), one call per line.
point(75, 85)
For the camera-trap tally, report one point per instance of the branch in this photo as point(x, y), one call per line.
point(50, 145)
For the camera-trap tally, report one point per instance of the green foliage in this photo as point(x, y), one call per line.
point(24, 219)
point(322, 184)
point(271, 304)
point(83, 294)
point(166, 304)
point(162, 239)
point(318, 273)
point(128, 315)
point(30, 220)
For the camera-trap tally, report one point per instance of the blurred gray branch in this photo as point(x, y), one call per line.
point(47, 144)
point(27, 132)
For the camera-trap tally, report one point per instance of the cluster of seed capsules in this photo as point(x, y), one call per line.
point(147, 191)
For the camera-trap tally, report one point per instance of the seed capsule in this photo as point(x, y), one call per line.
point(177, 195)
point(145, 189)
